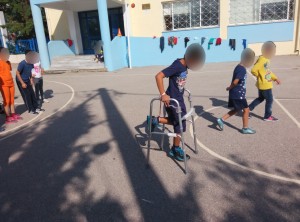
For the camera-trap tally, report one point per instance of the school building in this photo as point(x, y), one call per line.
point(155, 32)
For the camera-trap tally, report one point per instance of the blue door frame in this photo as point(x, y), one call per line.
point(90, 29)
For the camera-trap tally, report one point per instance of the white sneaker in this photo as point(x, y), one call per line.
point(46, 101)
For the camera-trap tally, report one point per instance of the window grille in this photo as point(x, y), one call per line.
point(255, 11)
point(190, 14)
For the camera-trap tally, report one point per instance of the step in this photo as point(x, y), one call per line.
point(75, 64)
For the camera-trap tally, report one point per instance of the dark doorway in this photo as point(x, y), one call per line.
point(90, 28)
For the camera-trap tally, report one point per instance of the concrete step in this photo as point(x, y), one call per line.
point(75, 64)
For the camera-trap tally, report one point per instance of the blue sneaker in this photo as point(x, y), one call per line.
point(248, 131)
point(154, 123)
point(178, 154)
point(220, 124)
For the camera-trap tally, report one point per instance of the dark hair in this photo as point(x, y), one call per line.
point(195, 52)
point(27, 51)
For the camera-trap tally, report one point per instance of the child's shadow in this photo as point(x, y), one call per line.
point(209, 116)
point(20, 109)
point(142, 138)
point(48, 94)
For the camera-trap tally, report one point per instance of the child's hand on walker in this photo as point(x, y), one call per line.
point(228, 88)
point(165, 99)
point(278, 81)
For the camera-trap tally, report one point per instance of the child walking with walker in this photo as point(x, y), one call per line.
point(177, 73)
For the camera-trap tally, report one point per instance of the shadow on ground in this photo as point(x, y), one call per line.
point(38, 177)
point(253, 197)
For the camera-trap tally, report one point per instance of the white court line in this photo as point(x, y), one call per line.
point(282, 107)
point(226, 160)
point(60, 109)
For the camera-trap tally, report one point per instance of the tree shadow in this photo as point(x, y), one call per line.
point(43, 173)
point(254, 197)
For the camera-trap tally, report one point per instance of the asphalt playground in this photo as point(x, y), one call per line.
point(84, 158)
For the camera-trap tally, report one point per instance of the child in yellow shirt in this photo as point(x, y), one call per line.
point(265, 77)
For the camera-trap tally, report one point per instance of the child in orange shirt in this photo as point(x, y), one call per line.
point(7, 87)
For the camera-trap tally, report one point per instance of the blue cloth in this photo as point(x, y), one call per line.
point(245, 43)
point(264, 95)
point(25, 70)
point(239, 91)
point(177, 74)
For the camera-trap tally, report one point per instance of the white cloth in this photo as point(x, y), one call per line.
point(37, 70)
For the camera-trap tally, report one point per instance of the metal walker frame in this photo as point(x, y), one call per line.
point(181, 118)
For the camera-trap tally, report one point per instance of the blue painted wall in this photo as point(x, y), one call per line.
point(119, 52)
point(60, 48)
point(205, 32)
point(146, 51)
point(256, 33)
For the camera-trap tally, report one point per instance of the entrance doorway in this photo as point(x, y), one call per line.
point(90, 28)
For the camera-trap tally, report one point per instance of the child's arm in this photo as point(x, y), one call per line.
point(160, 85)
point(43, 71)
point(256, 67)
point(21, 80)
point(275, 78)
point(233, 84)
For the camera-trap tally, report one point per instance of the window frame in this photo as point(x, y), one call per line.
point(171, 15)
point(260, 21)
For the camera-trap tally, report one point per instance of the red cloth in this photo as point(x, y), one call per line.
point(175, 40)
point(219, 41)
point(70, 42)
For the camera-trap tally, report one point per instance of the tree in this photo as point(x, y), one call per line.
point(18, 18)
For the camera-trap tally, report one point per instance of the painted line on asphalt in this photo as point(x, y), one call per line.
point(282, 107)
point(30, 125)
point(226, 160)
point(287, 113)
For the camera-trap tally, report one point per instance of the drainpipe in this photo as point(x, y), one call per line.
point(127, 14)
point(297, 28)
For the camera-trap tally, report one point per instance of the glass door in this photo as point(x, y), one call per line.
point(90, 30)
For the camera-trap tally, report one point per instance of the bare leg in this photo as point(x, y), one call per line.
point(12, 109)
point(176, 141)
point(7, 111)
point(246, 117)
point(164, 120)
point(229, 114)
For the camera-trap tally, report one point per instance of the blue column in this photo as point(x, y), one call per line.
point(40, 35)
point(105, 34)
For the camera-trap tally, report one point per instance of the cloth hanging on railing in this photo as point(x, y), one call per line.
point(245, 43)
point(219, 41)
point(210, 42)
point(186, 40)
point(232, 44)
point(162, 43)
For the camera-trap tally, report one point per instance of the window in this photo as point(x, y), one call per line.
point(190, 14)
point(253, 11)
